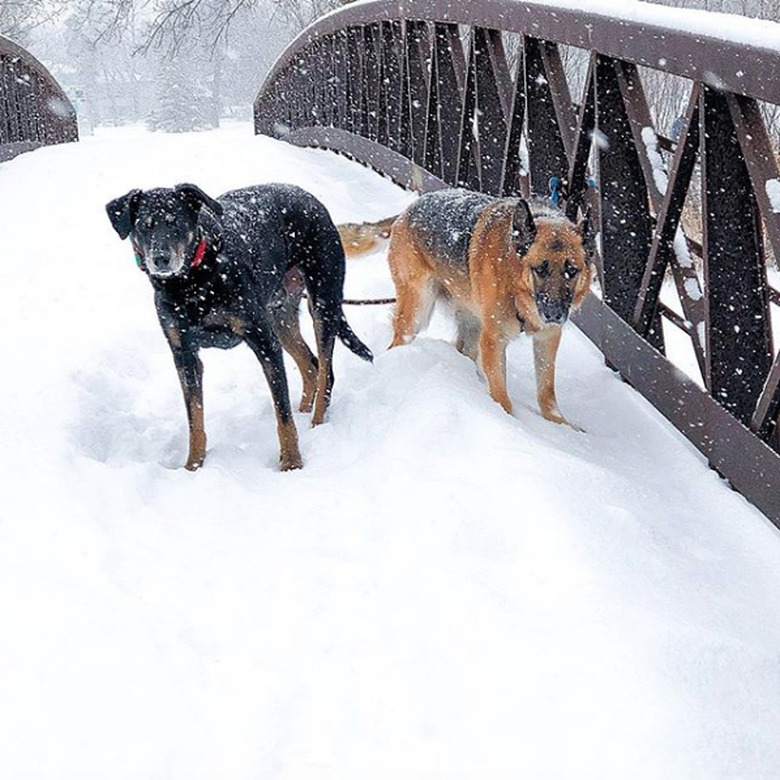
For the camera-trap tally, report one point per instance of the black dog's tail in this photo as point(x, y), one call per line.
point(352, 342)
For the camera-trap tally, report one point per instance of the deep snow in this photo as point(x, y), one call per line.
point(442, 592)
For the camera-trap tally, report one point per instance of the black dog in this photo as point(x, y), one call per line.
point(232, 270)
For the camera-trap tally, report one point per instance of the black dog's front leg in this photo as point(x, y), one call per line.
point(190, 371)
point(263, 342)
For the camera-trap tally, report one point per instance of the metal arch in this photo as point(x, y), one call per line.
point(35, 110)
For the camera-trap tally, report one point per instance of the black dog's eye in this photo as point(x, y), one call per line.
point(570, 270)
point(542, 270)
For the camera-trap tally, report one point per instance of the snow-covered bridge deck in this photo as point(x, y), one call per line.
point(442, 592)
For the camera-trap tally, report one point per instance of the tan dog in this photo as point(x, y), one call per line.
point(364, 237)
point(504, 270)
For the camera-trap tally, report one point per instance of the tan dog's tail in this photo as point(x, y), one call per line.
point(358, 239)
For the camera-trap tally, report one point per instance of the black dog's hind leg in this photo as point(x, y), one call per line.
point(190, 371)
point(322, 266)
point(289, 334)
point(323, 271)
point(284, 317)
point(263, 342)
point(326, 328)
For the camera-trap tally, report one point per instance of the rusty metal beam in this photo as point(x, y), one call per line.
point(731, 66)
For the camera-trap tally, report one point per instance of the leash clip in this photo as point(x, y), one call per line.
point(559, 191)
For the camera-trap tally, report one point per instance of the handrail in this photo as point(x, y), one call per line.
point(729, 64)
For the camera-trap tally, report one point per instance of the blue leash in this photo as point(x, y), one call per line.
point(559, 189)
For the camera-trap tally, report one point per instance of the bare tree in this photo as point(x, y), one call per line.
point(174, 24)
point(300, 13)
point(19, 17)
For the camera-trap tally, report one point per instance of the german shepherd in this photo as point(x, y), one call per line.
point(233, 269)
point(504, 266)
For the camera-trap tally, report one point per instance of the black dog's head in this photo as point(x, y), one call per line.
point(163, 226)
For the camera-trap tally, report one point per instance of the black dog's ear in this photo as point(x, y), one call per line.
point(122, 212)
point(587, 234)
point(523, 227)
point(195, 196)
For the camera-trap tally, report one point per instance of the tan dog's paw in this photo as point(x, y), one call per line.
point(557, 418)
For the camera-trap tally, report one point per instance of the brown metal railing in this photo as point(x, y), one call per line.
point(34, 110)
point(423, 91)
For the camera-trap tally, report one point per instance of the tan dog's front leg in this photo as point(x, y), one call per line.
point(492, 350)
point(546, 344)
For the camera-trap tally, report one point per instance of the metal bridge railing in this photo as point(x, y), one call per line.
point(438, 93)
point(34, 110)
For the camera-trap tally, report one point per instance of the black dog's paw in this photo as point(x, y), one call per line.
point(291, 463)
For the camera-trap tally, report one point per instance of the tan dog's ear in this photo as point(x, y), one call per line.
point(523, 228)
point(587, 235)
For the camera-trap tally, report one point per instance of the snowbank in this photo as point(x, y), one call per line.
point(443, 591)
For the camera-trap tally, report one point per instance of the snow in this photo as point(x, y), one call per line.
point(692, 289)
point(442, 592)
point(772, 187)
point(660, 177)
point(681, 251)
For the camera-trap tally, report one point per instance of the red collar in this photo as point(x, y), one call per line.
point(200, 251)
point(197, 259)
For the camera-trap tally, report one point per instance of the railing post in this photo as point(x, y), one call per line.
point(468, 171)
point(445, 100)
point(392, 37)
point(626, 228)
point(511, 183)
point(738, 344)
point(493, 94)
point(415, 86)
point(546, 146)
point(370, 88)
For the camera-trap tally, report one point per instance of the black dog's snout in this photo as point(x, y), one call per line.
point(161, 262)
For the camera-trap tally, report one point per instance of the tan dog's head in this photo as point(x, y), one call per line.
point(555, 267)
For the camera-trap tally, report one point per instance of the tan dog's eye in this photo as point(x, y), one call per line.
point(570, 270)
point(542, 270)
